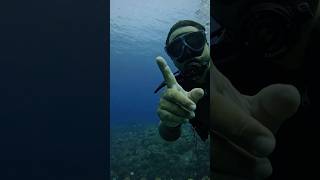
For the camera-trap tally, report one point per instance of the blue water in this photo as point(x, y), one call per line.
point(138, 31)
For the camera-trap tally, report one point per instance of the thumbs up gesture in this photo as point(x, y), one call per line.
point(176, 105)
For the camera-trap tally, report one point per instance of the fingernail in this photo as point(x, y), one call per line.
point(263, 146)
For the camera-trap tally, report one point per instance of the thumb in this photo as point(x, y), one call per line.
point(275, 104)
point(195, 94)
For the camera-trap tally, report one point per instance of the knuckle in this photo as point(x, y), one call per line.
point(168, 93)
point(161, 102)
point(164, 114)
point(167, 105)
point(160, 107)
point(172, 93)
point(159, 112)
point(174, 110)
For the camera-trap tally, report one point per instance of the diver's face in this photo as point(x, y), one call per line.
point(197, 62)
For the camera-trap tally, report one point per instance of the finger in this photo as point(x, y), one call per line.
point(180, 99)
point(175, 109)
point(195, 94)
point(166, 72)
point(170, 119)
point(275, 104)
point(230, 159)
point(238, 126)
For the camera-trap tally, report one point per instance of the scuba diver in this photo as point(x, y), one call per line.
point(187, 46)
point(241, 127)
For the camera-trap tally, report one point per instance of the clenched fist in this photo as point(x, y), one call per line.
point(176, 105)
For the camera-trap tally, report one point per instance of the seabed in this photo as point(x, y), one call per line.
point(139, 153)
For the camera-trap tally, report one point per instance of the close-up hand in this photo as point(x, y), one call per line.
point(244, 127)
point(176, 105)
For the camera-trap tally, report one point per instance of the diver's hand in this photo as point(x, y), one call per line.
point(176, 105)
point(244, 127)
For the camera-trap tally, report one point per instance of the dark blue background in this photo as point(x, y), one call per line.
point(53, 89)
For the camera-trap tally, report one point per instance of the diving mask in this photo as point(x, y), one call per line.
point(186, 46)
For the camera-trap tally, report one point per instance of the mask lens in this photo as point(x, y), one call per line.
point(195, 40)
point(175, 48)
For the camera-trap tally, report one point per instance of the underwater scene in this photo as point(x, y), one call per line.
point(138, 30)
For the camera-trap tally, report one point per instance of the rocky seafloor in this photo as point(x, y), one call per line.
point(138, 152)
